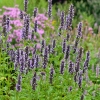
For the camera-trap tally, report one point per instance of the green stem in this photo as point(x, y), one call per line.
point(17, 95)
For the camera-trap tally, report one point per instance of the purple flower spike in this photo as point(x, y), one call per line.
point(49, 8)
point(21, 15)
point(25, 5)
point(18, 85)
point(62, 67)
point(4, 25)
point(62, 18)
point(35, 12)
point(51, 75)
point(34, 82)
point(64, 46)
point(35, 26)
point(67, 52)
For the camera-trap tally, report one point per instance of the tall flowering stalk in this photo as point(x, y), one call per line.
point(51, 74)
point(64, 45)
point(21, 14)
point(18, 85)
point(67, 51)
point(49, 8)
point(62, 67)
point(45, 57)
point(34, 81)
point(68, 36)
point(25, 5)
point(53, 45)
point(7, 24)
point(71, 69)
point(62, 18)
point(35, 26)
point(35, 12)
point(69, 18)
point(80, 80)
point(86, 63)
point(79, 29)
point(79, 35)
point(4, 25)
point(27, 26)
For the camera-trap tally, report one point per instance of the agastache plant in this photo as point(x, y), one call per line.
point(27, 26)
point(77, 67)
point(71, 69)
point(4, 25)
point(62, 18)
point(62, 67)
point(49, 8)
point(25, 5)
point(79, 57)
point(79, 29)
point(80, 80)
point(86, 63)
point(67, 51)
point(69, 18)
point(51, 74)
point(35, 26)
point(34, 81)
point(32, 35)
point(45, 57)
point(18, 85)
point(7, 24)
point(79, 35)
point(42, 47)
point(68, 36)
point(35, 12)
point(59, 31)
point(64, 45)
point(53, 46)
point(21, 14)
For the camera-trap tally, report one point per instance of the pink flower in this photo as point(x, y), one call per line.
point(40, 31)
point(17, 23)
point(90, 29)
point(12, 12)
point(10, 37)
point(38, 46)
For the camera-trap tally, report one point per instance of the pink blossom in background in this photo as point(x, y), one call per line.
point(12, 12)
point(38, 46)
point(40, 31)
point(90, 29)
point(10, 37)
point(18, 33)
point(16, 23)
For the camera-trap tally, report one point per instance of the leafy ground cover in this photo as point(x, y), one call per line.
point(43, 57)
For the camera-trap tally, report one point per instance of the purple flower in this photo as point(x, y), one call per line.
point(62, 67)
point(51, 74)
point(25, 5)
point(49, 8)
point(18, 85)
point(34, 81)
point(35, 12)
